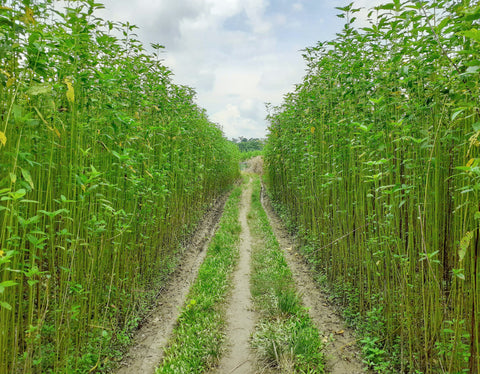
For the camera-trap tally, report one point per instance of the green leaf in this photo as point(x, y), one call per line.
point(28, 178)
point(472, 69)
point(476, 126)
point(443, 23)
point(70, 90)
point(55, 213)
point(8, 283)
point(18, 194)
point(5, 305)
point(32, 282)
point(459, 273)
point(29, 201)
point(5, 284)
point(471, 34)
point(39, 89)
point(389, 6)
point(345, 8)
point(457, 113)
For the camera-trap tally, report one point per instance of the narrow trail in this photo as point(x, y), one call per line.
point(341, 353)
point(152, 337)
point(240, 315)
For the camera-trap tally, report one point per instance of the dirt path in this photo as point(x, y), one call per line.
point(341, 352)
point(151, 338)
point(240, 315)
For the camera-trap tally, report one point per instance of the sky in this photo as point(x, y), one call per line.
point(238, 55)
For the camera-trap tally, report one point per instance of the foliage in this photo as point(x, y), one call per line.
point(376, 157)
point(249, 145)
point(245, 156)
point(105, 165)
point(196, 342)
point(285, 336)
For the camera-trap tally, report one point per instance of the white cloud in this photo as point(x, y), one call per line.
point(159, 21)
point(234, 81)
point(297, 7)
point(225, 8)
point(238, 124)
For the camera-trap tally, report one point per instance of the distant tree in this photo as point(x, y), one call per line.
point(248, 145)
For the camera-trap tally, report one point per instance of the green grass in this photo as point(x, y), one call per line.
point(196, 344)
point(285, 336)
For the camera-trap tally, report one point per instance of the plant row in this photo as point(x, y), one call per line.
point(375, 156)
point(105, 165)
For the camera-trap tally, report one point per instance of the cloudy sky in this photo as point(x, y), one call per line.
point(237, 54)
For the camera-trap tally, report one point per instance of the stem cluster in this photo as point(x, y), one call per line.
point(375, 156)
point(105, 165)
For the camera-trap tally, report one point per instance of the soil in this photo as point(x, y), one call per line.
point(341, 353)
point(150, 340)
point(240, 315)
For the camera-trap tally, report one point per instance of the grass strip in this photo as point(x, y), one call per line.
point(195, 345)
point(285, 336)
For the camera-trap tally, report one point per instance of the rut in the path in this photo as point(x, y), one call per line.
point(240, 316)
